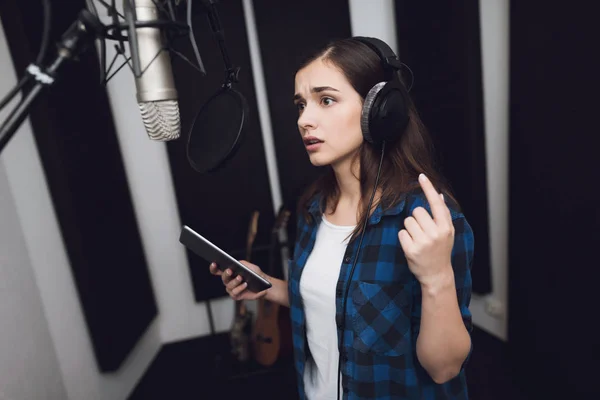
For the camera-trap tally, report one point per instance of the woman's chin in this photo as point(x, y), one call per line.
point(318, 160)
point(321, 159)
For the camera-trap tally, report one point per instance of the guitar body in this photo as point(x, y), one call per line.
point(272, 334)
point(266, 333)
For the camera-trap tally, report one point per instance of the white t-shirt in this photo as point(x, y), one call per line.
point(317, 289)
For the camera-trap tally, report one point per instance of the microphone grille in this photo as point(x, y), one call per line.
point(161, 119)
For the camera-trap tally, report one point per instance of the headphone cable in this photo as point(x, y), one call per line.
point(349, 280)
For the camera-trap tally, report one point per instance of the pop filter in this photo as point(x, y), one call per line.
point(216, 131)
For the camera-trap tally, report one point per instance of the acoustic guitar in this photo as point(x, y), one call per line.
point(272, 330)
point(241, 327)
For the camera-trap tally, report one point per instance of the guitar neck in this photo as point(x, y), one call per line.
point(240, 307)
point(273, 247)
point(275, 254)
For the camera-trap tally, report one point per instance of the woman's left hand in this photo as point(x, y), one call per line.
point(427, 242)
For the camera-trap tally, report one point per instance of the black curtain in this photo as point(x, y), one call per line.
point(289, 32)
point(80, 154)
point(219, 205)
point(554, 213)
point(441, 44)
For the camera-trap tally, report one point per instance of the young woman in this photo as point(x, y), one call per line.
point(399, 311)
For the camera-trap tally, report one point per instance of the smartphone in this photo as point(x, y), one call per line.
point(210, 252)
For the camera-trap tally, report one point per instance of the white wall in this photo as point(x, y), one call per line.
point(374, 18)
point(45, 350)
point(490, 312)
point(377, 18)
point(26, 351)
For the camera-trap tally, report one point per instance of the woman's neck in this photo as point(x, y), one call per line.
point(347, 176)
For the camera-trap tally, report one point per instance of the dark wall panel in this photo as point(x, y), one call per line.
point(441, 45)
point(218, 205)
point(288, 32)
point(554, 215)
point(80, 154)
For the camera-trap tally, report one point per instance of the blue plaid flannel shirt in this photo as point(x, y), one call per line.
point(383, 307)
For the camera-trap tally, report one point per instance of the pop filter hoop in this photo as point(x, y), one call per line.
point(224, 143)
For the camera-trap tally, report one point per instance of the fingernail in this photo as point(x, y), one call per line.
point(228, 272)
point(212, 265)
point(422, 177)
point(442, 196)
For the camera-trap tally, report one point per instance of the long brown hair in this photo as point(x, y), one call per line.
point(404, 159)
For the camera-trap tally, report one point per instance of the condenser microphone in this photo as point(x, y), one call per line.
point(155, 87)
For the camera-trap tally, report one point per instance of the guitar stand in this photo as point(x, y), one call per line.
point(218, 357)
point(225, 366)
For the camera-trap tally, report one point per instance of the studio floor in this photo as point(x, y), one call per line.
point(200, 369)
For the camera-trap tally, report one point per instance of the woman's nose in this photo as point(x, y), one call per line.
point(307, 119)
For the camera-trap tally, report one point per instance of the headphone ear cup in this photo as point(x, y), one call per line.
point(385, 113)
point(365, 117)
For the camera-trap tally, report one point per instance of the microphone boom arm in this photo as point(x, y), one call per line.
point(76, 40)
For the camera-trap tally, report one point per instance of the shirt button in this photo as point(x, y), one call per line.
point(347, 259)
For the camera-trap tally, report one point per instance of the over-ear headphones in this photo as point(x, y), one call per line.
point(385, 110)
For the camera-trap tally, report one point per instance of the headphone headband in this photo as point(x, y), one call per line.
point(389, 60)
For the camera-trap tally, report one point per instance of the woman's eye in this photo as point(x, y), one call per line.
point(300, 106)
point(328, 101)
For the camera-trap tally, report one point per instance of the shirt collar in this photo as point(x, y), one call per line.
point(314, 209)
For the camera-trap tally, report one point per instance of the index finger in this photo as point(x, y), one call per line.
point(214, 270)
point(438, 206)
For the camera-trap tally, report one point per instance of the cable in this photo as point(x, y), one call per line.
point(92, 8)
point(412, 77)
point(45, 32)
point(171, 10)
point(193, 38)
point(349, 280)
